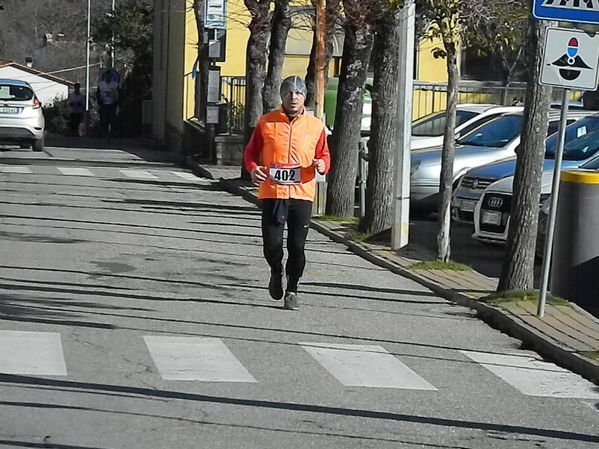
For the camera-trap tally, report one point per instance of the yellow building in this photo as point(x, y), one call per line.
point(175, 54)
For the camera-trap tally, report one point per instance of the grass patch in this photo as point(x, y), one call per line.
point(357, 236)
point(517, 296)
point(593, 355)
point(438, 265)
point(337, 219)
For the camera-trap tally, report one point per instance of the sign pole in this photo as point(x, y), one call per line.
point(557, 167)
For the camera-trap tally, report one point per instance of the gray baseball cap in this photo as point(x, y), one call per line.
point(293, 84)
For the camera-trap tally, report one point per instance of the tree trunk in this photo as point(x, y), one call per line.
point(331, 19)
point(256, 58)
point(518, 267)
point(281, 23)
point(201, 91)
point(348, 118)
point(381, 147)
point(446, 181)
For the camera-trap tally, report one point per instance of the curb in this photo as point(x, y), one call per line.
point(95, 163)
point(496, 317)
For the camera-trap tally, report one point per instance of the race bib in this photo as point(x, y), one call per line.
point(285, 174)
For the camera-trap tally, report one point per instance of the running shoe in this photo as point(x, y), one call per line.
point(291, 301)
point(275, 286)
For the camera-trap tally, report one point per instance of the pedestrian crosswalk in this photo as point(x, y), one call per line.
point(210, 359)
point(103, 172)
point(33, 353)
point(365, 366)
point(194, 358)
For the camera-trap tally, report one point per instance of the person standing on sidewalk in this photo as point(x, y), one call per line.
point(285, 151)
point(108, 100)
point(76, 104)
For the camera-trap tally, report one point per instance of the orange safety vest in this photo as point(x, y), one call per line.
point(289, 143)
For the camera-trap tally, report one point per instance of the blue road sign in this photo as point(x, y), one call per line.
point(584, 11)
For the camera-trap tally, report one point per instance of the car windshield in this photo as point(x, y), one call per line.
point(576, 130)
point(592, 164)
point(497, 133)
point(433, 125)
point(9, 92)
point(582, 148)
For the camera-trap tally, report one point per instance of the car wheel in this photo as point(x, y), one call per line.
point(38, 145)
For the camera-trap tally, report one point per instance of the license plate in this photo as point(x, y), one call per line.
point(5, 110)
point(467, 206)
point(492, 218)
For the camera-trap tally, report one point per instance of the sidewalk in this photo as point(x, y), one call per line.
point(566, 334)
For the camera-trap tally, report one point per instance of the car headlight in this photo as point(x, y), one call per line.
point(414, 167)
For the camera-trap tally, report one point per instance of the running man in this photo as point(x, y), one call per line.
point(283, 155)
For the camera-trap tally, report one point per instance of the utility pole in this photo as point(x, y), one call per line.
point(112, 51)
point(87, 65)
point(401, 202)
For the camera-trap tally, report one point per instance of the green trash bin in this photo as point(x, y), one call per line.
point(575, 266)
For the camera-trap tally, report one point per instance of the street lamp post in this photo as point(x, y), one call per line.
point(112, 51)
point(87, 65)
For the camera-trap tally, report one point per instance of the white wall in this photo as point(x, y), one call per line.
point(46, 90)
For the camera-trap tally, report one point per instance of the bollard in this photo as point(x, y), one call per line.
point(576, 248)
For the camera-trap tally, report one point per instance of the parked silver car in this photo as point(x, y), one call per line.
point(474, 182)
point(428, 131)
point(488, 143)
point(492, 213)
point(21, 116)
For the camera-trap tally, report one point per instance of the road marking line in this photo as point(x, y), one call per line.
point(72, 171)
point(14, 169)
point(365, 366)
point(31, 353)
point(196, 358)
point(139, 174)
point(185, 175)
point(535, 377)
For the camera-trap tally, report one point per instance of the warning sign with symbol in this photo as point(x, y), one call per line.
point(571, 59)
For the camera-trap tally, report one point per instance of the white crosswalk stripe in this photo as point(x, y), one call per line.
point(31, 353)
point(14, 169)
point(103, 172)
point(196, 358)
point(75, 171)
point(206, 359)
point(535, 377)
point(138, 174)
point(365, 366)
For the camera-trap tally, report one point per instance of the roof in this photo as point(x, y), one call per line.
point(35, 72)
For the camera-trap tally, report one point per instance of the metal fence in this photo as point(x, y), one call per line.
point(428, 97)
point(233, 93)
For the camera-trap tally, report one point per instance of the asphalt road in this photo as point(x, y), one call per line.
point(134, 314)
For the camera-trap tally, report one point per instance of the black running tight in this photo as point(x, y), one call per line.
point(298, 224)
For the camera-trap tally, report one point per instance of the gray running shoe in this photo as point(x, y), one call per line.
point(275, 286)
point(291, 301)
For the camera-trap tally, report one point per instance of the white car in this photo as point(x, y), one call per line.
point(428, 131)
point(492, 212)
point(21, 116)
